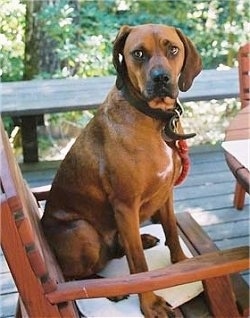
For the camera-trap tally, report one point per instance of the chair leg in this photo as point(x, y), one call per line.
point(18, 313)
point(239, 196)
point(20, 309)
point(221, 298)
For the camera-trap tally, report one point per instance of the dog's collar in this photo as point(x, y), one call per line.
point(170, 117)
point(170, 129)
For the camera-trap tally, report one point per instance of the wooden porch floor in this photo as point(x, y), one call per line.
point(207, 194)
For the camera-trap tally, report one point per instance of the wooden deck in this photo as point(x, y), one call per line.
point(207, 194)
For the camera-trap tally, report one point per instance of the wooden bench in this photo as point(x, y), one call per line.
point(30, 100)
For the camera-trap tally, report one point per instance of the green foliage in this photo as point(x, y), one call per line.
point(80, 118)
point(8, 124)
point(84, 33)
point(219, 28)
point(12, 19)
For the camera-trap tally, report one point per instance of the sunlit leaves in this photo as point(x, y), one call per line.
point(12, 18)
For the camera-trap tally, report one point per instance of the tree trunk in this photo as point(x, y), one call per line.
point(40, 54)
point(31, 52)
point(231, 36)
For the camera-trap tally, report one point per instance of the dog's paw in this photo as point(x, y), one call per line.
point(153, 306)
point(160, 311)
point(118, 298)
point(149, 241)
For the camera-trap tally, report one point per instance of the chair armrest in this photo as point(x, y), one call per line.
point(202, 267)
point(41, 193)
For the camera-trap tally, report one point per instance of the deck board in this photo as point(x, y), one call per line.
point(207, 194)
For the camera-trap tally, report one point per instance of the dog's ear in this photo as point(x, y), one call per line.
point(192, 63)
point(118, 57)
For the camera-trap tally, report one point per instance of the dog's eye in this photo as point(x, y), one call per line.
point(173, 50)
point(138, 54)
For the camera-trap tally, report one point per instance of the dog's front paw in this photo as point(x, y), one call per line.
point(149, 241)
point(153, 306)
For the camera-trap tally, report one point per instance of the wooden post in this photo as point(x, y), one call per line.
point(29, 138)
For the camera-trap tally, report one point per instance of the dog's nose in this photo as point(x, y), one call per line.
point(159, 75)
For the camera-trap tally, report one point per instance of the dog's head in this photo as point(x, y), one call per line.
point(158, 60)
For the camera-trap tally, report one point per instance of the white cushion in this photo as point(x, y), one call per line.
point(157, 257)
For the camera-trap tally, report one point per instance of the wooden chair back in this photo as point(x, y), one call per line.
point(43, 292)
point(244, 84)
point(244, 74)
point(27, 253)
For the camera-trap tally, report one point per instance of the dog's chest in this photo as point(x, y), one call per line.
point(159, 184)
point(165, 167)
point(159, 173)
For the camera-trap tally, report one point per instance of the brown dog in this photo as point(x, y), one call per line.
point(121, 171)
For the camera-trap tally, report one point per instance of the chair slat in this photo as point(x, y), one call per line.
point(201, 267)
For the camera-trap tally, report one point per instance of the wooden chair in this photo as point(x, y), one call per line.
point(244, 83)
point(44, 293)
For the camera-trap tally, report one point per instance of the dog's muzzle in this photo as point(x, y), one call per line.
point(160, 85)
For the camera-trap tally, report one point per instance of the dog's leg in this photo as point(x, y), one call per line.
point(127, 218)
point(79, 248)
point(167, 219)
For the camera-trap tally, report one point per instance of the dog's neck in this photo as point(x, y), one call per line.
point(169, 117)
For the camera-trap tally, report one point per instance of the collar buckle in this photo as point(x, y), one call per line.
point(179, 110)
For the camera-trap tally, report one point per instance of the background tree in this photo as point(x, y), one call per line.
point(31, 40)
point(12, 23)
point(74, 38)
point(43, 34)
